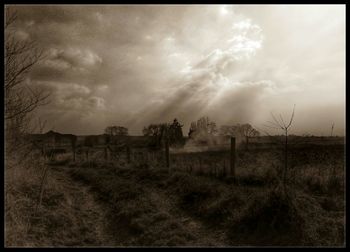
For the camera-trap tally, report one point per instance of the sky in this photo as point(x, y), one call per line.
point(136, 65)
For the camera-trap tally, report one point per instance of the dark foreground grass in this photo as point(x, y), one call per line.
point(145, 206)
point(62, 219)
point(138, 205)
point(135, 218)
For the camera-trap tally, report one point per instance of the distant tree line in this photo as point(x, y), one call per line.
point(170, 132)
point(245, 131)
point(111, 133)
point(203, 131)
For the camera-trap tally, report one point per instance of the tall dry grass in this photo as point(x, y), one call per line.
point(22, 180)
point(54, 222)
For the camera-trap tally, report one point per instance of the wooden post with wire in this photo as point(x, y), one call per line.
point(128, 153)
point(87, 154)
point(233, 157)
point(106, 154)
point(167, 158)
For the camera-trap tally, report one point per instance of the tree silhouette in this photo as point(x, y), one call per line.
point(175, 134)
point(116, 131)
point(229, 130)
point(21, 99)
point(165, 131)
point(20, 57)
point(247, 131)
point(285, 127)
point(156, 132)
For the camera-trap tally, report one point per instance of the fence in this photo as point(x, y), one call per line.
point(219, 160)
point(216, 160)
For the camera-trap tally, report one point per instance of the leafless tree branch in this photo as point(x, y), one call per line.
point(291, 118)
point(21, 99)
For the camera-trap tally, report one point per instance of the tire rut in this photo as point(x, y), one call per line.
point(88, 213)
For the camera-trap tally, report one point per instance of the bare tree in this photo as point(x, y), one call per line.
point(239, 131)
point(21, 55)
point(116, 131)
point(248, 132)
point(228, 130)
point(157, 133)
point(285, 127)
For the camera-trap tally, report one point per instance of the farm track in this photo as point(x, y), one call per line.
point(155, 213)
point(88, 214)
point(206, 236)
point(91, 214)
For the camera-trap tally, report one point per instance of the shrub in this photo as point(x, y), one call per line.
point(334, 185)
point(160, 216)
point(60, 162)
point(192, 190)
point(90, 164)
point(329, 203)
point(251, 180)
point(139, 225)
point(320, 227)
point(222, 209)
point(315, 184)
point(126, 190)
point(268, 215)
point(151, 175)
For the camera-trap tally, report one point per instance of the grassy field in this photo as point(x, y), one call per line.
point(252, 211)
point(116, 203)
point(152, 207)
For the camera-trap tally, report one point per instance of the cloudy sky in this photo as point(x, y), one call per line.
point(136, 65)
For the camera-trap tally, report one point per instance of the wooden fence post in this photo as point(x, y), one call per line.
point(128, 154)
point(87, 154)
point(105, 154)
point(152, 157)
point(167, 158)
point(224, 169)
point(73, 149)
point(233, 157)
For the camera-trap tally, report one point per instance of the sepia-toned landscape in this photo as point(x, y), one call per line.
point(174, 125)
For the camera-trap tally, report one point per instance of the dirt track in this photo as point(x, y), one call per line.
point(91, 217)
point(87, 213)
